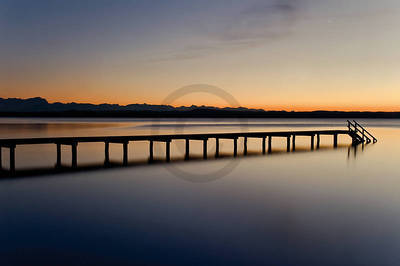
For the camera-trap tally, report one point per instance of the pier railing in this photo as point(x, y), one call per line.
point(356, 128)
point(365, 131)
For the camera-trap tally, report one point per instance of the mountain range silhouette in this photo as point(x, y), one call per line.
point(39, 106)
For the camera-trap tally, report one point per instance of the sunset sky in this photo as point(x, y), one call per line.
point(287, 54)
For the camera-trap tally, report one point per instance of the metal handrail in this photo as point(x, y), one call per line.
point(356, 123)
point(363, 131)
point(349, 124)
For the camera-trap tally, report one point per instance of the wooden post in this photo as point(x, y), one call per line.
point(363, 135)
point(294, 143)
point(12, 159)
point(74, 154)
point(1, 160)
point(216, 147)
point(106, 153)
point(288, 143)
point(205, 149)
point(235, 147)
point(263, 145)
point(269, 144)
point(318, 140)
point(335, 140)
point(187, 149)
point(151, 145)
point(125, 158)
point(167, 150)
point(245, 146)
point(353, 141)
point(312, 142)
point(58, 164)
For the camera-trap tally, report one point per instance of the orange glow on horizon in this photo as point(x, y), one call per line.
point(288, 108)
point(293, 104)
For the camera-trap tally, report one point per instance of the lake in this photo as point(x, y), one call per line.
point(322, 207)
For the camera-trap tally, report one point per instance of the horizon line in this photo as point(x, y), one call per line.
point(272, 108)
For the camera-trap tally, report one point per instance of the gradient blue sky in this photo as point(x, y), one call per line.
point(288, 54)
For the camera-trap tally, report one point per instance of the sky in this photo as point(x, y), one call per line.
point(270, 54)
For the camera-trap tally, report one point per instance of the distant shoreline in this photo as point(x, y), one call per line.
point(40, 107)
point(206, 114)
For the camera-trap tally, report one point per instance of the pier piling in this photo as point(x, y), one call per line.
point(335, 139)
point(288, 143)
point(151, 149)
point(205, 149)
point(187, 149)
point(294, 143)
point(106, 153)
point(245, 146)
point(235, 147)
point(58, 163)
point(74, 154)
point(216, 147)
point(312, 142)
point(269, 144)
point(263, 145)
point(168, 150)
point(125, 156)
point(12, 159)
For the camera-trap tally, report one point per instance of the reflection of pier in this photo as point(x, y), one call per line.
point(357, 133)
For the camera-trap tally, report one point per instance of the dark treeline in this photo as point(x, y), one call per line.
point(199, 113)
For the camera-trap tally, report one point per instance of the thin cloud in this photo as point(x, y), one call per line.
point(262, 20)
point(252, 26)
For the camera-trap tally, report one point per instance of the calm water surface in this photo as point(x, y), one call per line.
point(323, 207)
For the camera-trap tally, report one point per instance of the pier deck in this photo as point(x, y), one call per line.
point(357, 133)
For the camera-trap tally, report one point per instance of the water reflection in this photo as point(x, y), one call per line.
point(173, 166)
point(354, 151)
point(323, 207)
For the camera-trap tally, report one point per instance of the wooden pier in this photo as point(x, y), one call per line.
point(354, 130)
